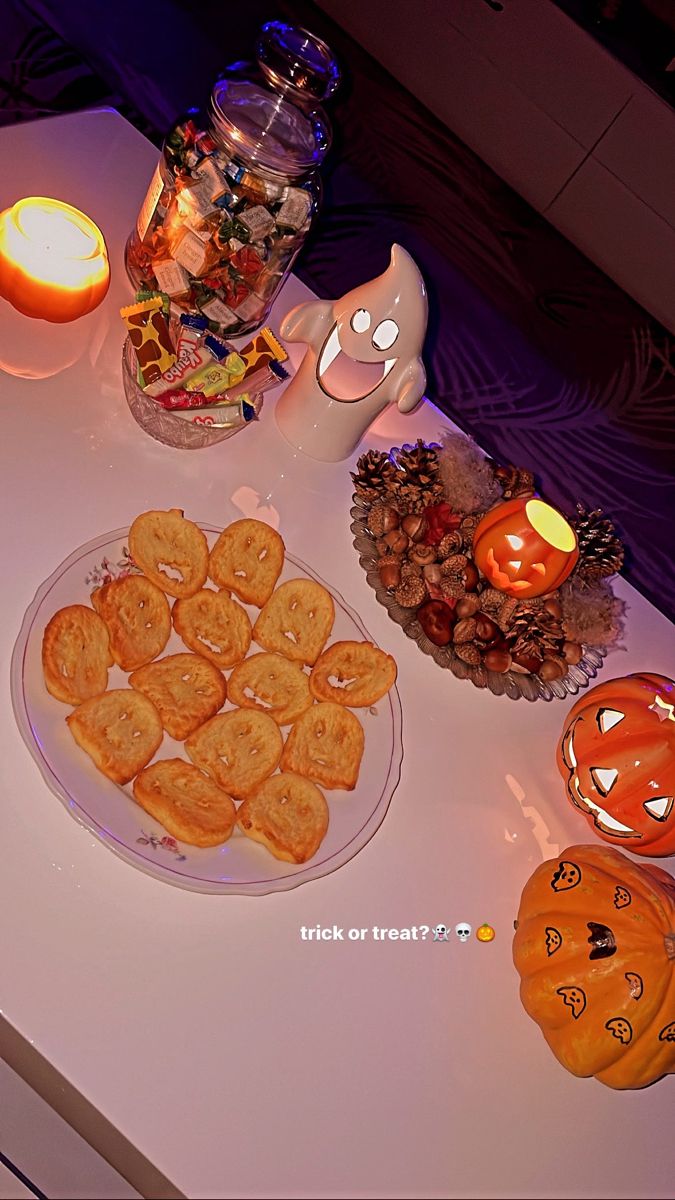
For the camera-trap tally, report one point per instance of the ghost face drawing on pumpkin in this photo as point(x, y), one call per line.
point(617, 757)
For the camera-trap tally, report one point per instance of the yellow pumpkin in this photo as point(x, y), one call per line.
point(595, 950)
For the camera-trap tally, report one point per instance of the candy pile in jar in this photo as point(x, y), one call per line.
point(193, 374)
point(216, 237)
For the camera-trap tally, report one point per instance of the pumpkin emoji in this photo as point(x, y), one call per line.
point(524, 547)
point(617, 757)
point(600, 982)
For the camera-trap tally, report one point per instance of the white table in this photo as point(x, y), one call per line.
point(199, 1037)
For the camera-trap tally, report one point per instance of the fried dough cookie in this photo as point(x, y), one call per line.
point(288, 815)
point(247, 559)
point(189, 806)
point(296, 621)
point(170, 550)
point(363, 674)
point(271, 683)
point(237, 749)
point(186, 689)
point(213, 624)
point(326, 745)
point(120, 730)
point(138, 618)
point(76, 654)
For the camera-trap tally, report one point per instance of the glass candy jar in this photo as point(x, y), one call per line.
point(233, 196)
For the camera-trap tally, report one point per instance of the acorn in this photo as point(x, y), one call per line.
point(432, 573)
point(397, 541)
point(573, 653)
point(467, 606)
point(553, 606)
point(424, 556)
point(382, 519)
point(552, 668)
point(390, 573)
point(416, 526)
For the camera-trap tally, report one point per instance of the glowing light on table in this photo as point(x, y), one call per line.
point(53, 260)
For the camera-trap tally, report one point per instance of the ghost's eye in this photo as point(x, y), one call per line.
point(360, 321)
point(385, 335)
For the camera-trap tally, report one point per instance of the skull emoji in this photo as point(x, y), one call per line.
point(463, 931)
point(440, 933)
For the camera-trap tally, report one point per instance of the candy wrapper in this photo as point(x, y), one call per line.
point(150, 338)
point(221, 416)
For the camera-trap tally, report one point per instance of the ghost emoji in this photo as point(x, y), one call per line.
point(363, 353)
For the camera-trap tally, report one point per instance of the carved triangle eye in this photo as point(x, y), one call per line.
point(604, 779)
point(609, 717)
point(660, 807)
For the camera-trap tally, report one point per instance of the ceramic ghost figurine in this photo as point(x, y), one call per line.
point(363, 353)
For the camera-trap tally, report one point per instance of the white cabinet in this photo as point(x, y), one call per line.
point(569, 127)
point(622, 234)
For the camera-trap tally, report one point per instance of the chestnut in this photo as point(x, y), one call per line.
point(437, 620)
point(526, 664)
point(487, 631)
point(497, 660)
point(471, 576)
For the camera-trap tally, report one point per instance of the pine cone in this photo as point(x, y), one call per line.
point(534, 631)
point(374, 471)
point(514, 481)
point(601, 551)
point(416, 482)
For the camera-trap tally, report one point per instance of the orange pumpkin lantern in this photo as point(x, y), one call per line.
point(524, 547)
point(617, 757)
point(595, 950)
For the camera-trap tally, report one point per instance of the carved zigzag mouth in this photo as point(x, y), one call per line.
point(338, 373)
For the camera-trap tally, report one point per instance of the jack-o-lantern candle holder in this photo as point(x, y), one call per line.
point(525, 547)
point(617, 757)
point(595, 951)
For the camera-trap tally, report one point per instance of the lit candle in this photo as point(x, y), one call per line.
point(53, 260)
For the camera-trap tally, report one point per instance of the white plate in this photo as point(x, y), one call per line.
point(240, 866)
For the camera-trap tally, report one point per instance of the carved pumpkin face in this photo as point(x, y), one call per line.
point(597, 965)
point(617, 757)
point(525, 548)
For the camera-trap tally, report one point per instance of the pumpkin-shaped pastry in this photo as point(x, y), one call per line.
point(524, 547)
point(595, 950)
point(617, 757)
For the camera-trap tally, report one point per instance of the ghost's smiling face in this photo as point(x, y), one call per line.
point(357, 355)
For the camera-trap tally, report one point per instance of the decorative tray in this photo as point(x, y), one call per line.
point(405, 490)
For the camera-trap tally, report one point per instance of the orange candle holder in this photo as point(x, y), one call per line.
point(53, 260)
point(525, 547)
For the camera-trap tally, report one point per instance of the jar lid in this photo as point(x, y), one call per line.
point(294, 59)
